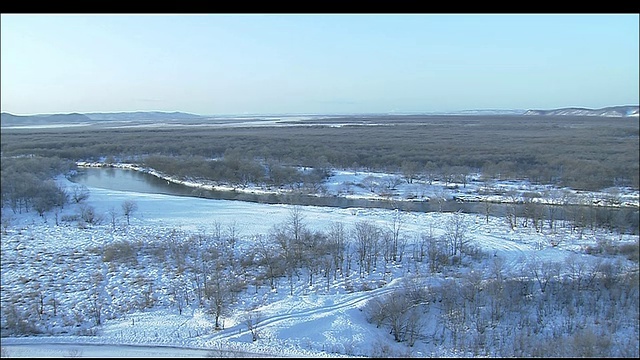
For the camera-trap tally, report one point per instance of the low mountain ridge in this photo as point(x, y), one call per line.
point(142, 115)
point(611, 111)
point(8, 119)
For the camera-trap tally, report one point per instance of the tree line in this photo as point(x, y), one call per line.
point(579, 152)
point(239, 171)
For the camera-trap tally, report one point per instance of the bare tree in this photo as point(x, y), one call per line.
point(222, 283)
point(394, 246)
point(315, 254)
point(337, 239)
point(410, 170)
point(392, 182)
point(233, 233)
point(543, 271)
point(461, 174)
point(447, 173)
point(436, 251)
point(371, 183)
point(79, 193)
point(557, 198)
point(177, 294)
point(451, 314)
point(113, 216)
point(218, 292)
point(96, 299)
point(488, 206)
point(430, 171)
point(128, 208)
point(588, 343)
point(367, 239)
point(577, 270)
point(440, 197)
point(496, 289)
point(456, 234)
point(532, 211)
point(6, 221)
point(291, 237)
point(512, 209)
point(16, 321)
point(295, 224)
point(252, 318)
point(266, 254)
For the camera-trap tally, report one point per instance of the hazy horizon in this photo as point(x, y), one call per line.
point(310, 114)
point(211, 64)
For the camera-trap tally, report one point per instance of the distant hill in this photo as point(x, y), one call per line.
point(142, 115)
point(7, 119)
point(611, 111)
point(489, 112)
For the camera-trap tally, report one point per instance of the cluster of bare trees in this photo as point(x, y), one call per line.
point(429, 171)
point(240, 170)
point(291, 249)
point(578, 215)
point(591, 306)
point(402, 311)
point(203, 268)
point(27, 184)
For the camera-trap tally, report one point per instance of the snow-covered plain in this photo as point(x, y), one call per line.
point(315, 321)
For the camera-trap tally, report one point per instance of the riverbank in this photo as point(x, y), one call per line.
point(372, 186)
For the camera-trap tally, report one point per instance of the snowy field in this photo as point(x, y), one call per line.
point(315, 321)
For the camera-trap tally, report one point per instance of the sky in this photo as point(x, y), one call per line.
point(211, 64)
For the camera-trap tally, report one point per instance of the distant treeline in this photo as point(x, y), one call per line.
point(587, 153)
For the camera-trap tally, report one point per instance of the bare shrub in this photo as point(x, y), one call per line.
point(6, 222)
point(121, 251)
point(587, 343)
point(630, 251)
point(89, 215)
point(73, 353)
point(70, 218)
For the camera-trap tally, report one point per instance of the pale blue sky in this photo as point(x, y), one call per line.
point(314, 63)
